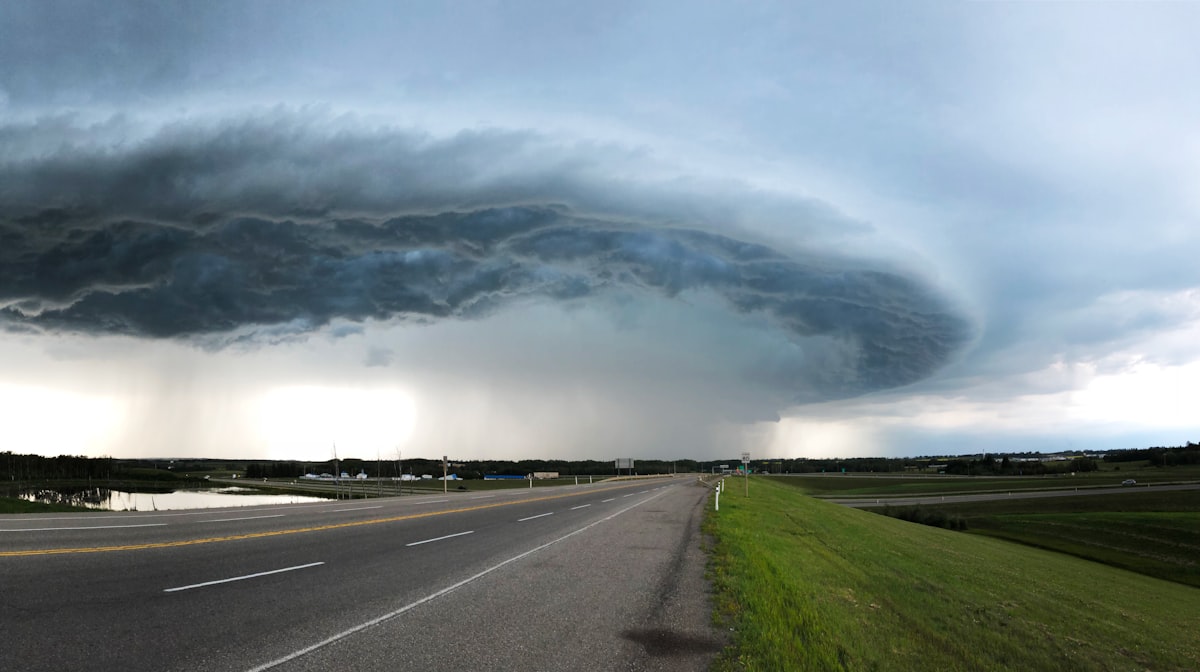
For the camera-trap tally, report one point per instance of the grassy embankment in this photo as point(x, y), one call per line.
point(13, 505)
point(1152, 532)
point(810, 585)
point(892, 485)
point(1142, 529)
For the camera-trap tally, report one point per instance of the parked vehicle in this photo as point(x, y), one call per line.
point(1129, 481)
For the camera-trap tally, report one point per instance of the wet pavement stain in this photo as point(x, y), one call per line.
point(660, 642)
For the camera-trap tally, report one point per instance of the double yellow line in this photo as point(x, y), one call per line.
point(295, 530)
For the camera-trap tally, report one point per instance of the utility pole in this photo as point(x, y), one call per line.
point(444, 474)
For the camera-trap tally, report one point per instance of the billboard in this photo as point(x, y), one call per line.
point(624, 463)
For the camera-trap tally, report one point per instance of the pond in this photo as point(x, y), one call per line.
point(119, 500)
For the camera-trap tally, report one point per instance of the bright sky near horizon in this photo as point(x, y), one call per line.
point(597, 230)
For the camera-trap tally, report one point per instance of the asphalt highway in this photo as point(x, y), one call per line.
point(595, 577)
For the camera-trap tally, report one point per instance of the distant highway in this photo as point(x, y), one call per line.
point(599, 577)
point(868, 502)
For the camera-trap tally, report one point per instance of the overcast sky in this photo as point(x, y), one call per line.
point(598, 230)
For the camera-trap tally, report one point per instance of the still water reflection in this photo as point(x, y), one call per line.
point(118, 500)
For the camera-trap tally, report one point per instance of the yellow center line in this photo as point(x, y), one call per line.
point(295, 530)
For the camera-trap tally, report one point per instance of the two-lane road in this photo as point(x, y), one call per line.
point(589, 577)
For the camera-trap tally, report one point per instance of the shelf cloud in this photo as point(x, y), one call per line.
point(576, 228)
point(254, 229)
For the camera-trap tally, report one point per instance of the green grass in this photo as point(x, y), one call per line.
point(887, 485)
point(1164, 545)
point(1152, 532)
point(13, 505)
point(810, 585)
point(1142, 500)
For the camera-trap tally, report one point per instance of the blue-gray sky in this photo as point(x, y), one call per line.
point(506, 229)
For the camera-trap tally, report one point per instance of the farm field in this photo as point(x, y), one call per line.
point(811, 585)
point(895, 485)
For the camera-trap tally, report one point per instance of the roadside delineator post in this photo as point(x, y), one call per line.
point(746, 471)
point(718, 497)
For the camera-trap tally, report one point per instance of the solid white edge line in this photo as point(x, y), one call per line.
point(431, 501)
point(540, 515)
point(93, 527)
point(448, 536)
point(581, 506)
point(226, 520)
point(242, 578)
point(433, 596)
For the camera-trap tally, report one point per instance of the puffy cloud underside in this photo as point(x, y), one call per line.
point(111, 242)
point(162, 281)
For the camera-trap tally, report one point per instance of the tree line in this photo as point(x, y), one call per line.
point(16, 467)
point(1158, 456)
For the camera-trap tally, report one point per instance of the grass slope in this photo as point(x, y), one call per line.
point(809, 585)
point(14, 505)
point(895, 485)
point(1164, 545)
point(1156, 533)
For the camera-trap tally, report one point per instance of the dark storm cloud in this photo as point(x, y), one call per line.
point(257, 231)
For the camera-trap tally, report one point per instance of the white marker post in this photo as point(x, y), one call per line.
point(718, 498)
point(746, 471)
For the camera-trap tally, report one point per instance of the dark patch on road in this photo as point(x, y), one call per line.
point(660, 642)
